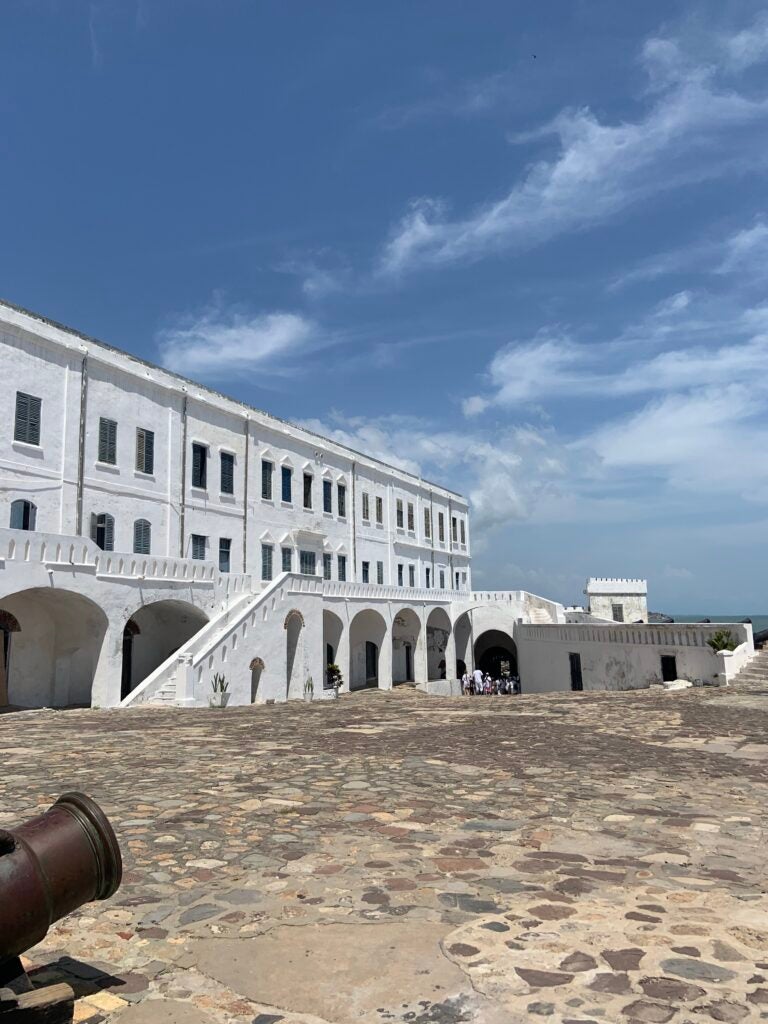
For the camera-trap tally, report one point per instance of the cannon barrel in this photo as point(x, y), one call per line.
point(51, 865)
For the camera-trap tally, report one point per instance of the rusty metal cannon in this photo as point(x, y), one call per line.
point(50, 866)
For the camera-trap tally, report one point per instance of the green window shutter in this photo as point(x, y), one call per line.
point(26, 425)
point(109, 533)
point(142, 537)
point(107, 441)
point(227, 473)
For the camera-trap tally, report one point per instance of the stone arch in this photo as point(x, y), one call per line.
point(152, 634)
point(49, 659)
point(333, 630)
point(295, 667)
point(406, 634)
point(462, 633)
point(367, 633)
point(438, 635)
point(496, 652)
point(257, 667)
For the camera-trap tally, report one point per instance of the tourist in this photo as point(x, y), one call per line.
point(477, 681)
point(466, 684)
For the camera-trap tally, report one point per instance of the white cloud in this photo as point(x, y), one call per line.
point(747, 47)
point(220, 343)
point(600, 168)
point(747, 250)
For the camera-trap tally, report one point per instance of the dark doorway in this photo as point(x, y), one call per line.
point(371, 663)
point(497, 662)
point(461, 668)
point(130, 631)
point(668, 667)
point(577, 683)
point(408, 663)
point(329, 654)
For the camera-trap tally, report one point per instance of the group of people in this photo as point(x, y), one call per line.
point(479, 684)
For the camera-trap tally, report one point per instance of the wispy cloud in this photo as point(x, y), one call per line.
point(221, 343)
point(470, 98)
point(601, 168)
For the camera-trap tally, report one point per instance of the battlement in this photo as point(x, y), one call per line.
point(615, 585)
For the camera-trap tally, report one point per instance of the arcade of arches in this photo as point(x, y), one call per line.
point(152, 634)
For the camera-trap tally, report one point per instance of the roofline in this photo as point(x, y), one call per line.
point(220, 394)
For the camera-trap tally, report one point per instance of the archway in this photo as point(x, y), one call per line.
point(438, 635)
point(496, 653)
point(256, 667)
point(462, 632)
point(9, 625)
point(333, 628)
point(50, 657)
point(152, 634)
point(406, 628)
point(294, 654)
point(367, 633)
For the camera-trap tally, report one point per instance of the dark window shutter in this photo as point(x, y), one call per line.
point(149, 451)
point(26, 425)
point(94, 526)
point(141, 450)
point(109, 533)
point(107, 441)
point(142, 537)
point(17, 515)
point(227, 473)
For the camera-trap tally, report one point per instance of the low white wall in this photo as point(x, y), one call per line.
point(624, 657)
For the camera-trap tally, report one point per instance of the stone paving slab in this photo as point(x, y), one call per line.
point(394, 857)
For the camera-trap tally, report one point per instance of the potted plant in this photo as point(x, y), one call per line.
point(220, 687)
point(334, 679)
point(309, 689)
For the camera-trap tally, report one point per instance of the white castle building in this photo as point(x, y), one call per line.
point(159, 533)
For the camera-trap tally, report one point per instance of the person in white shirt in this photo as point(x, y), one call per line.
point(477, 681)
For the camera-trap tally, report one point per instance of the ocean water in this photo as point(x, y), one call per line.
point(759, 622)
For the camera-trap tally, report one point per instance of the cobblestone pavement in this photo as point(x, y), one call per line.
point(396, 857)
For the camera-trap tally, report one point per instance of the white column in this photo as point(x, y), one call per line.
point(385, 661)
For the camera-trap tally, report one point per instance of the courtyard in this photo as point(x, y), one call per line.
point(395, 857)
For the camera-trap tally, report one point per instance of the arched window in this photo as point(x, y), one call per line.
point(23, 515)
point(103, 530)
point(142, 536)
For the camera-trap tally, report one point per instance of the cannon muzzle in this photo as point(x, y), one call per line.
point(52, 865)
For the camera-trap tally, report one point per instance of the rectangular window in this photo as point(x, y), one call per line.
point(307, 563)
point(266, 561)
point(227, 460)
point(285, 476)
point(327, 496)
point(400, 574)
point(307, 490)
point(380, 573)
point(427, 524)
point(411, 575)
point(399, 513)
point(266, 479)
point(442, 579)
point(145, 450)
point(142, 537)
point(107, 441)
point(428, 576)
point(411, 520)
point(366, 571)
point(199, 466)
point(454, 530)
point(287, 555)
point(26, 425)
point(380, 511)
point(225, 546)
point(366, 507)
point(103, 531)
point(456, 586)
point(342, 500)
point(440, 527)
point(463, 532)
point(617, 610)
point(327, 564)
point(198, 546)
point(342, 567)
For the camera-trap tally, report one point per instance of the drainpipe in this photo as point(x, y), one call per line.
point(450, 544)
point(183, 473)
point(81, 445)
point(245, 497)
point(354, 526)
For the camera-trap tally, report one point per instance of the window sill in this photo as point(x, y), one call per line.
point(108, 467)
point(199, 492)
point(286, 504)
point(307, 508)
point(28, 447)
point(327, 514)
point(268, 501)
point(143, 475)
point(226, 497)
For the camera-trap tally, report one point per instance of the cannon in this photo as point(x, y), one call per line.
point(50, 866)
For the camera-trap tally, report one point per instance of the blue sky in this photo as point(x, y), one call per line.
point(522, 247)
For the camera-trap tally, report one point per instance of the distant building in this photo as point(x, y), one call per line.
point(618, 600)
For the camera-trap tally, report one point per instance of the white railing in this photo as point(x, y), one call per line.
point(59, 551)
point(656, 634)
point(375, 592)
